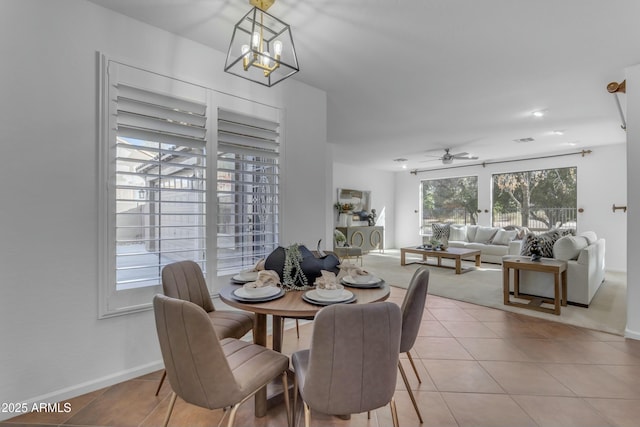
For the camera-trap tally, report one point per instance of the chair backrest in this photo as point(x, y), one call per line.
point(184, 280)
point(196, 366)
point(353, 361)
point(413, 307)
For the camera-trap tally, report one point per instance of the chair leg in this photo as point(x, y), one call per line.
point(232, 414)
point(287, 404)
point(295, 400)
point(297, 329)
point(307, 414)
point(394, 413)
point(164, 375)
point(413, 365)
point(172, 402)
point(413, 398)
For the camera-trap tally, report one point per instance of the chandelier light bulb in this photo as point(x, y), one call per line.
point(277, 48)
point(255, 41)
point(266, 59)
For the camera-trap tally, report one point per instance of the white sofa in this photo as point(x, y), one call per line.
point(585, 268)
point(493, 242)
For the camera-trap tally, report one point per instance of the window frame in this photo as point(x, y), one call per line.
point(114, 301)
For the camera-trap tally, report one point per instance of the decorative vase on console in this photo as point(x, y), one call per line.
point(343, 219)
point(349, 215)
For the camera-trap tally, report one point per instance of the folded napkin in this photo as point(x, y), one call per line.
point(259, 265)
point(328, 280)
point(265, 278)
point(348, 269)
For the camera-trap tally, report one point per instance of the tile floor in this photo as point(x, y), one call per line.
point(479, 367)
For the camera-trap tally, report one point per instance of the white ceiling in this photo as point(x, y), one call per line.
point(407, 77)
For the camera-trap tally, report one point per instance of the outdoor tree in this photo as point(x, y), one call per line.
point(548, 196)
point(447, 199)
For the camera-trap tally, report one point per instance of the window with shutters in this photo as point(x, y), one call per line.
point(154, 161)
point(247, 190)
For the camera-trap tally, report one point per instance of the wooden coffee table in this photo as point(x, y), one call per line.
point(457, 254)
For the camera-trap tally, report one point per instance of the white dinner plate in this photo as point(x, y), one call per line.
point(371, 280)
point(269, 291)
point(313, 295)
point(246, 277)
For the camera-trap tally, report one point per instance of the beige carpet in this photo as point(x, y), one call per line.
point(483, 286)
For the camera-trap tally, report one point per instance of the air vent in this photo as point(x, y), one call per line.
point(524, 140)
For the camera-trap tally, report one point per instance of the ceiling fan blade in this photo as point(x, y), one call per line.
point(465, 156)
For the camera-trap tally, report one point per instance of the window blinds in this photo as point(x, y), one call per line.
point(247, 190)
point(160, 184)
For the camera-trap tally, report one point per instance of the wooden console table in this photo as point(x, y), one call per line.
point(546, 265)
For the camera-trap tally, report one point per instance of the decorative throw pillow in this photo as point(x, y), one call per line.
point(458, 233)
point(544, 241)
point(440, 231)
point(485, 234)
point(590, 236)
point(569, 247)
point(471, 233)
point(503, 237)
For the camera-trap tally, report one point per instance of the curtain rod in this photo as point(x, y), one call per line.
point(484, 164)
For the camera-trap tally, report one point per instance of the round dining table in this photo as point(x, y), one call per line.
point(290, 305)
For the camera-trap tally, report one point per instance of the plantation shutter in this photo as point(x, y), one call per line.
point(160, 184)
point(247, 190)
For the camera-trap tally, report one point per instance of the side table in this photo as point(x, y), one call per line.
point(547, 265)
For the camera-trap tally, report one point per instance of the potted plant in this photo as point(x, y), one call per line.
point(341, 239)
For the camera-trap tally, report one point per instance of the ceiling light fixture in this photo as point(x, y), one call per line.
point(402, 161)
point(261, 48)
point(558, 132)
point(539, 113)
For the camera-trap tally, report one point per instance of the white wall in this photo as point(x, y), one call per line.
point(601, 183)
point(633, 160)
point(53, 346)
point(381, 185)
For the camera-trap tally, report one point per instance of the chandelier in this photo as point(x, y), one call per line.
point(261, 48)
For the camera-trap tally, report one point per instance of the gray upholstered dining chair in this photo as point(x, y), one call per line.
point(207, 371)
point(351, 366)
point(184, 280)
point(412, 310)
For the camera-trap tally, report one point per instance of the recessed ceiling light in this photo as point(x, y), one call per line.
point(572, 143)
point(539, 113)
point(558, 132)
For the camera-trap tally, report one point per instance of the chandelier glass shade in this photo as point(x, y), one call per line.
point(261, 49)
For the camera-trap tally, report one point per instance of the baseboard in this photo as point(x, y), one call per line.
point(634, 335)
point(89, 386)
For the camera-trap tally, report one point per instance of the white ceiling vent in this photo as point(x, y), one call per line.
point(524, 140)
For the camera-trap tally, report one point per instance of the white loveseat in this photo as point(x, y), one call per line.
point(492, 242)
point(585, 268)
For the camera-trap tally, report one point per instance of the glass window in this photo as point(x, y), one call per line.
point(453, 200)
point(153, 163)
point(247, 189)
point(538, 199)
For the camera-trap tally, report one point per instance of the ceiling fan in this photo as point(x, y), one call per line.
point(447, 158)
